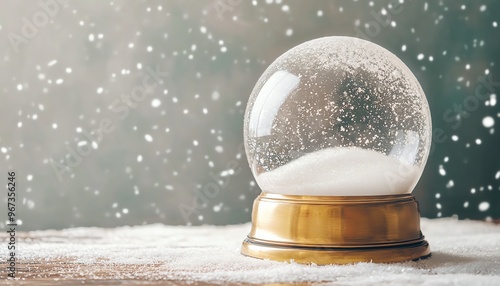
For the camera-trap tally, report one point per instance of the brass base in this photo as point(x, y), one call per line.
point(336, 230)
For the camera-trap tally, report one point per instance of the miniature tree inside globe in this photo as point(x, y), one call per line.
point(338, 122)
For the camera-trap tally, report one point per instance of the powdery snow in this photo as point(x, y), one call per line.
point(341, 172)
point(464, 253)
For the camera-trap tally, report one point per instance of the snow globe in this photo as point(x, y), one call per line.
point(337, 133)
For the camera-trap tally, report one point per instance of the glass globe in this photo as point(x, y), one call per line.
point(337, 116)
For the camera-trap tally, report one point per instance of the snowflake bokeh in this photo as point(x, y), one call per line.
point(126, 113)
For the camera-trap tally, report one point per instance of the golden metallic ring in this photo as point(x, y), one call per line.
point(336, 229)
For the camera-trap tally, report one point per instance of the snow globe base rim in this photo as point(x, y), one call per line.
point(327, 256)
point(326, 230)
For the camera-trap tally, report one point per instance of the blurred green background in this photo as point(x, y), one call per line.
point(69, 65)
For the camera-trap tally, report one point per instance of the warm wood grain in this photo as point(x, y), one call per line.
point(209, 255)
point(66, 272)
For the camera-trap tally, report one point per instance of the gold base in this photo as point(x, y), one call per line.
point(336, 230)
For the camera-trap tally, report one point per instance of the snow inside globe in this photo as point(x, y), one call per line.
point(337, 116)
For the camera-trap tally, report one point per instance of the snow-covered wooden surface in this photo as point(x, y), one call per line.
point(464, 253)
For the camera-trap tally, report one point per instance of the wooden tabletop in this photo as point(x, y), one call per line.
point(464, 253)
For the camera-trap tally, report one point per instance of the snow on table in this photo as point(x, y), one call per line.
point(464, 253)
